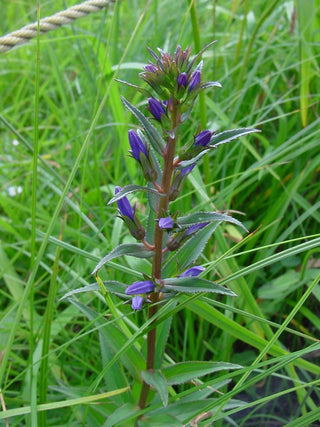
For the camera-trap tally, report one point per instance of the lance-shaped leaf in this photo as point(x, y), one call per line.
point(186, 371)
point(229, 135)
point(131, 189)
point(156, 380)
point(203, 217)
point(185, 409)
point(204, 86)
point(115, 287)
point(87, 288)
point(186, 163)
point(144, 92)
point(137, 250)
point(210, 84)
point(192, 285)
point(120, 414)
point(199, 54)
point(112, 286)
point(154, 136)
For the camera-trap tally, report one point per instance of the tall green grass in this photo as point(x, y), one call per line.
point(59, 356)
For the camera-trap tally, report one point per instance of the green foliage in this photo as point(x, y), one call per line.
point(267, 59)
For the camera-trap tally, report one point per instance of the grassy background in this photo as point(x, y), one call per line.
point(55, 223)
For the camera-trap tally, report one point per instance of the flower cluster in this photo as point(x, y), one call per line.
point(165, 160)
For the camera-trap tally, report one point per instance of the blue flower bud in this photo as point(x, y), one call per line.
point(137, 302)
point(156, 108)
point(181, 57)
point(166, 223)
point(140, 153)
point(151, 68)
point(187, 170)
point(195, 79)
point(124, 205)
point(193, 271)
point(140, 287)
point(182, 80)
point(203, 138)
point(194, 228)
point(136, 144)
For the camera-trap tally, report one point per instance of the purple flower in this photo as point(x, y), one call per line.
point(181, 57)
point(194, 228)
point(140, 287)
point(166, 223)
point(203, 138)
point(195, 79)
point(178, 52)
point(187, 170)
point(156, 108)
point(124, 205)
point(137, 302)
point(193, 271)
point(151, 68)
point(136, 144)
point(182, 80)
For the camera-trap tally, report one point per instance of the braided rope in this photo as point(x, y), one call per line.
point(50, 23)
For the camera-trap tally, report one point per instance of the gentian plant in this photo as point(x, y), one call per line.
point(173, 241)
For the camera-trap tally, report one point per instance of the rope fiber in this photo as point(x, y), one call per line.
point(50, 23)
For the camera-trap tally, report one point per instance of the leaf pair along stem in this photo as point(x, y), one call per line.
point(168, 169)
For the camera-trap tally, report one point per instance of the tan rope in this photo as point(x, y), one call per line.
point(51, 23)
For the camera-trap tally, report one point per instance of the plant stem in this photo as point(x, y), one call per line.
point(168, 168)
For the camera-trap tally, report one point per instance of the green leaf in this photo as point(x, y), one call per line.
point(229, 135)
point(199, 54)
point(281, 286)
point(144, 92)
point(159, 420)
point(156, 380)
point(184, 411)
point(65, 403)
point(186, 163)
point(201, 217)
point(132, 188)
point(186, 371)
point(154, 136)
point(189, 251)
point(88, 288)
point(162, 335)
point(306, 419)
point(120, 415)
point(137, 250)
point(209, 84)
point(204, 86)
point(115, 287)
point(306, 14)
point(195, 284)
